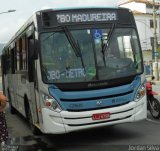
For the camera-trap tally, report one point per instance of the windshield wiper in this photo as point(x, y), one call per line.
point(109, 37)
point(74, 45)
point(72, 41)
point(105, 46)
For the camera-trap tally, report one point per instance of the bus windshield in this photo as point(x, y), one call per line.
point(92, 54)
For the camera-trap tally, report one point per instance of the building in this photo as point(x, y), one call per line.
point(143, 13)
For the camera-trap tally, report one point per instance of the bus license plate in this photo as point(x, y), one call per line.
point(100, 116)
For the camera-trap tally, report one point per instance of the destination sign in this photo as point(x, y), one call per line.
point(86, 17)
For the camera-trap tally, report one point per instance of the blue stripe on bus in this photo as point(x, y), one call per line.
point(84, 98)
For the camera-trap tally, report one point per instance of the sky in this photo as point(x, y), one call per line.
point(11, 22)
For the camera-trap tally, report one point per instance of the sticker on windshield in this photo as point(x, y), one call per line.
point(91, 71)
point(97, 33)
point(75, 73)
point(54, 75)
point(68, 74)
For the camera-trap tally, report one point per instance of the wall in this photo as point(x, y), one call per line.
point(143, 23)
point(144, 30)
point(135, 6)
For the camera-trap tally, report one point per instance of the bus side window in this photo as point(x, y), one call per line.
point(24, 53)
point(18, 55)
point(8, 60)
point(13, 60)
point(3, 63)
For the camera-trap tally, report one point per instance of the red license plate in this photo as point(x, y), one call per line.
point(100, 116)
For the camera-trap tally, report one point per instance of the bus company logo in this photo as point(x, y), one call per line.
point(97, 84)
point(99, 103)
point(76, 105)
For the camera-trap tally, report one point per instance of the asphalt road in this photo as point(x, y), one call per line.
point(145, 132)
point(116, 138)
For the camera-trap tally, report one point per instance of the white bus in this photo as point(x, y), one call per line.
point(72, 69)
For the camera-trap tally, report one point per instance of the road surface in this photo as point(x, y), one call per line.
point(128, 136)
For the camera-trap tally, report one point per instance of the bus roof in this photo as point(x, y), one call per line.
point(81, 7)
point(86, 7)
point(33, 17)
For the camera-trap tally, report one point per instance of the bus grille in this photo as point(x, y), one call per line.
point(106, 107)
point(95, 98)
point(107, 121)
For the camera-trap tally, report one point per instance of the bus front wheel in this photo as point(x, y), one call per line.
point(11, 108)
point(33, 128)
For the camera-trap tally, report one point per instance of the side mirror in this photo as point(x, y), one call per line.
point(32, 42)
point(33, 49)
point(31, 58)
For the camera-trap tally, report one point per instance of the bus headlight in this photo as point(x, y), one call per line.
point(51, 103)
point(140, 92)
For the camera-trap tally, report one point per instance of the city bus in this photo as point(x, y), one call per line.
point(73, 69)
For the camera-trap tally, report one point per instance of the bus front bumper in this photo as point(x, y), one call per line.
point(64, 122)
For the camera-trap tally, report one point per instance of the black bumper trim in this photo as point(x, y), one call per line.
point(100, 122)
point(76, 118)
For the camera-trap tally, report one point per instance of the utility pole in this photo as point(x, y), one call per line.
point(155, 43)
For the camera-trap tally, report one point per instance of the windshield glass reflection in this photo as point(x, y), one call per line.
point(90, 54)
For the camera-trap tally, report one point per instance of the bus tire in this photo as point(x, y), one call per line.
point(154, 108)
point(11, 108)
point(33, 128)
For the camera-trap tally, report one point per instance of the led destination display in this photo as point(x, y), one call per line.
point(86, 17)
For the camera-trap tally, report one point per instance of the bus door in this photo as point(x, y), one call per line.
point(12, 91)
point(32, 78)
